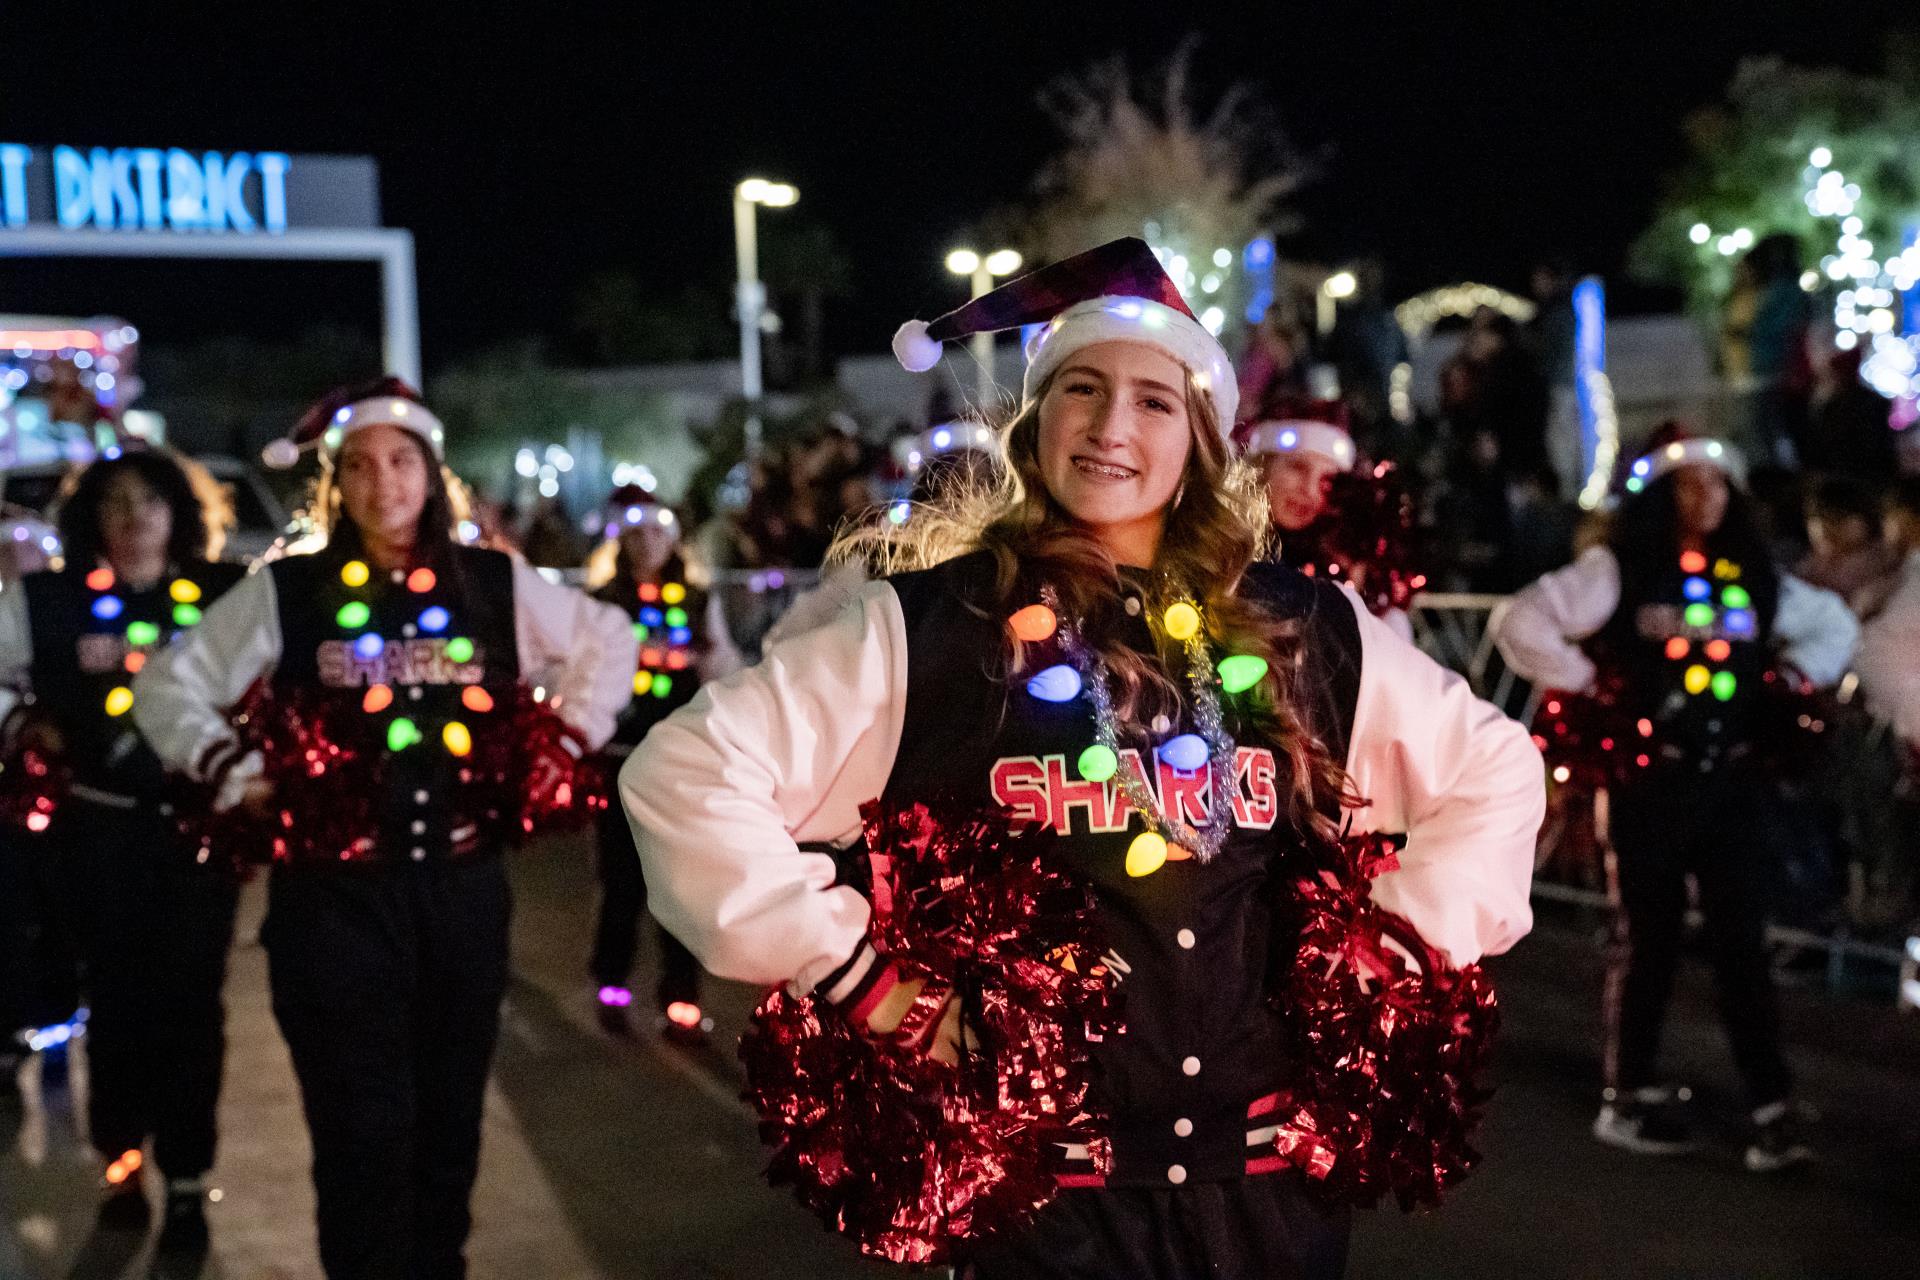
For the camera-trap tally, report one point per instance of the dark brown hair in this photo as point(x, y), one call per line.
point(191, 538)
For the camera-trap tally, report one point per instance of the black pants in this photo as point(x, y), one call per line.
point(623, 899)
point(387, 985)
point(1261, 1228)
point(39, 960)
point(154, 929)
point(1664, 826)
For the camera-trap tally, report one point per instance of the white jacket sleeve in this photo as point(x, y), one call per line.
point(722, 657)
point(584, 646)
point(1539, 629)
point(16, 647)
point(1816, 631)
point(839, 584)
point(721, 792)
point(1889, 658)
point(1462, 781)
point(182, 695)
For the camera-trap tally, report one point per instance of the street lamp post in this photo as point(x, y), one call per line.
point(981, 272)
point(750, 294)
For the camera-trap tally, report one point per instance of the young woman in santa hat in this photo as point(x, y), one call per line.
point(1117, 511)
point(154, 925)
point(1319, 503)
point(683, 642)
point(388, 966)
point(1677, 618)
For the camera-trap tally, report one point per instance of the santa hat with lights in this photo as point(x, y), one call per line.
point(1311, 426)
point(1115, 293)
point(629, 506)
point(1673, 446)
point(390, 401)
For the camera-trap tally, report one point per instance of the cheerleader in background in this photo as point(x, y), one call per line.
point(684, 642)
point(153, 926)
point(1682, 612)
point(388, 967)
point(1318, 502)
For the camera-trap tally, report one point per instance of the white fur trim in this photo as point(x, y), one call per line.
point(915, 351)
point(392, 411)
point(1686, 453)
point(280, 454)
point(1288, 436)
point(1121, 319)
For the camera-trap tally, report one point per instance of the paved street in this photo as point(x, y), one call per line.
point(607, 1160)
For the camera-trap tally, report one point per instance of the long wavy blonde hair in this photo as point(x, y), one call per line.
point(1216, 527)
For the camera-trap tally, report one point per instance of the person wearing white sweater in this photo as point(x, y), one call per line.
point(1679, 616)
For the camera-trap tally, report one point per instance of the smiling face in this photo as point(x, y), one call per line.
point(1298, 482)
point(1115, 435)
point(383, 474)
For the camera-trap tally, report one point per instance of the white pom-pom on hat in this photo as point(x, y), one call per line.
point(280, 454)
point(915, 351)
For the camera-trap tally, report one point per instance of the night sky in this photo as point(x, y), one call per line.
point(529, 146)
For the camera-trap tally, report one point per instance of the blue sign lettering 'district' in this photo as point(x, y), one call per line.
point(145, 189)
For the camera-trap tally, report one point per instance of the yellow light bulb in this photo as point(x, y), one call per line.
point(1147, 854)
point(1182, 621)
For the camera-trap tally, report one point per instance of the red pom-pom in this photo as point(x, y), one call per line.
point(902, 1154)
point(326, 760)
point(1385, 1096)
point(1590, 740)
point(33, 783)
point(1368, 536)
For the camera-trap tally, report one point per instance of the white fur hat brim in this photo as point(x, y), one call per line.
point(1124, 319)
point(1290, 436)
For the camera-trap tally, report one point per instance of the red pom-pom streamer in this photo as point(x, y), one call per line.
point(1590, 740)
point(326, 761)
point(906, 1156)
point(1367, 538)
point(32, 785)
point(1385, 1096)
point(537, 769)
point(1593, 740)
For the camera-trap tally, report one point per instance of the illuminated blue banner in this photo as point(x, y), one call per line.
point(173, 190)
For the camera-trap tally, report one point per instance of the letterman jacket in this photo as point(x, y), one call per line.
point(893, 699)
point(284, 623)
point(76, 648)
point(1540, 630)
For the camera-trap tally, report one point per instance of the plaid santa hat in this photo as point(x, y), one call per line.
point(1115, 293)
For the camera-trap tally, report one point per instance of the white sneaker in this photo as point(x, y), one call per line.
point(1777, 1143)
point(1648, 1122)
